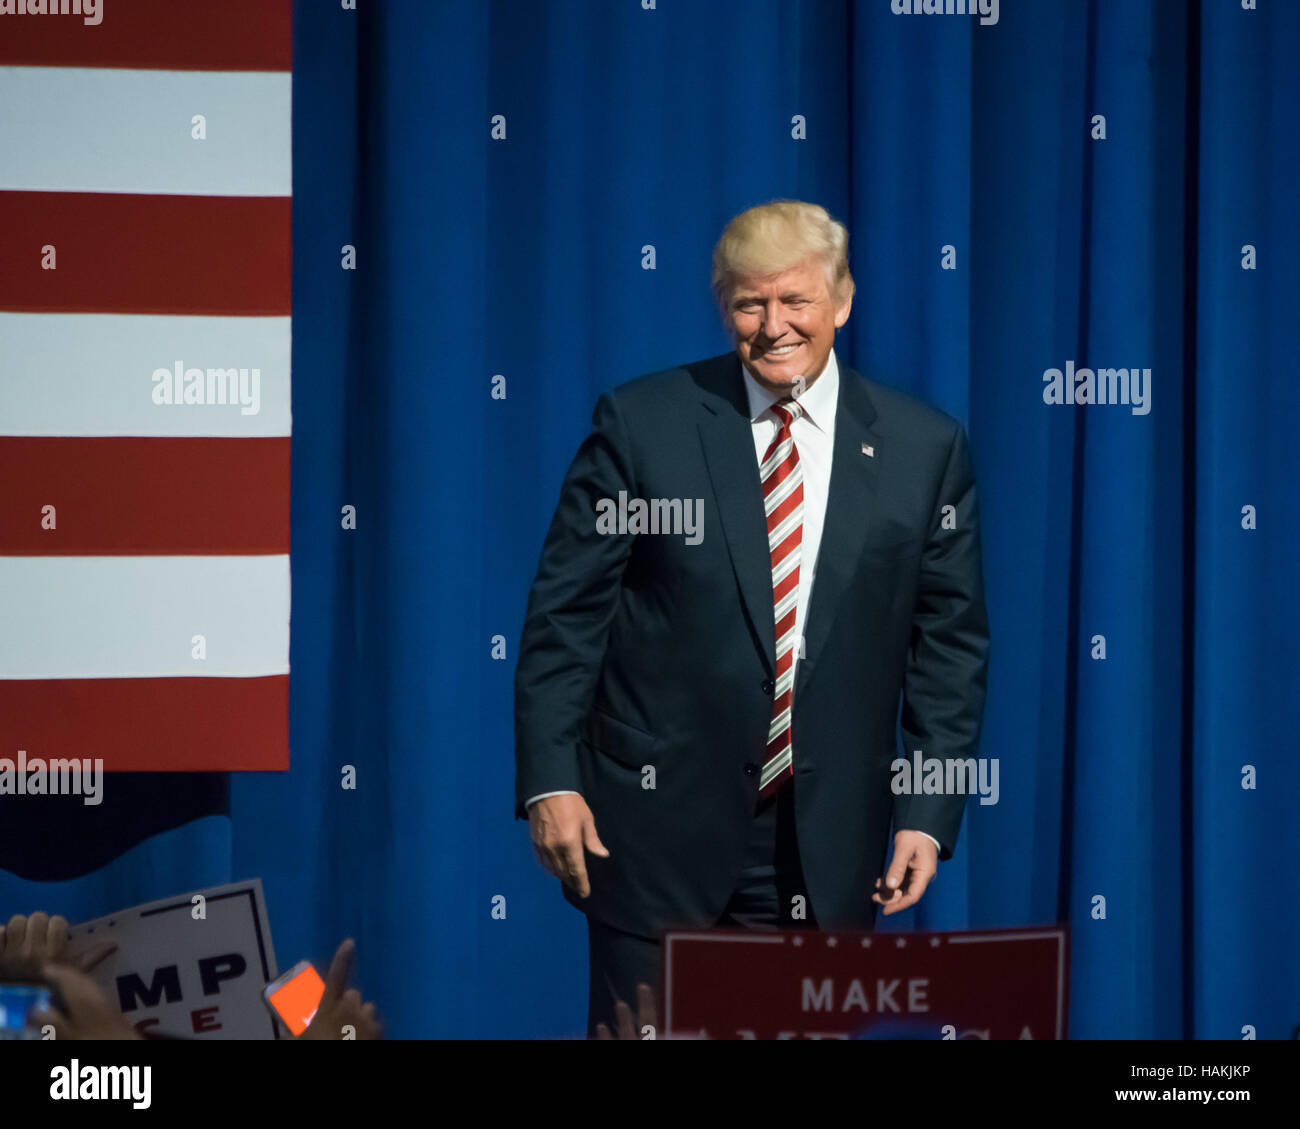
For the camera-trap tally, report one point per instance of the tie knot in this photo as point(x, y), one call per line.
point(787, 411)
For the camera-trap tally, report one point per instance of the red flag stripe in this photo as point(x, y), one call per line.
point(142, 254)
point(150, 724)
point(144, 496)
point(233, 35)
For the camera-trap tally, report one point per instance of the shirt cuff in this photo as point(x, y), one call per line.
point(542, 795)
point(926, 834)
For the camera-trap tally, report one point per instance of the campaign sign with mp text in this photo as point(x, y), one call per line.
point(192, 966)
point(737, 984)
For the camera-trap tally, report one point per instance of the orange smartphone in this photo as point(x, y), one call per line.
point(295, 996)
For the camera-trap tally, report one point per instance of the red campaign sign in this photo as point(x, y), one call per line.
point(738, 984)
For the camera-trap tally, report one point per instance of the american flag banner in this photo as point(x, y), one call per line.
point(145, 203)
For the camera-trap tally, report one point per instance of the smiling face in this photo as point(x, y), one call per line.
point(784, 325)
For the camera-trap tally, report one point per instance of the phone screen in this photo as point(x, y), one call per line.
point(296, 996)
point(17, 1002)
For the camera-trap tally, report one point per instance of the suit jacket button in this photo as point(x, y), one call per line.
point(768, 685)
point(751, 769)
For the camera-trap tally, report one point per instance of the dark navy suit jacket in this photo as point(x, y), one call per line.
point(643, 652)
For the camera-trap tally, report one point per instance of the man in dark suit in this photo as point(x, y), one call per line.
point(754, 559)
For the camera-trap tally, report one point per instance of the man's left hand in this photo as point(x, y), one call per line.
point(916, 859)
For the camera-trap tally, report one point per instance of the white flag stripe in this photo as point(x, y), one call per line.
point(92, 374)
point(111, 129)
point(135, 617)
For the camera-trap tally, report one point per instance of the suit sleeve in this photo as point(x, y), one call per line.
point(570, 608)
point(944, 686)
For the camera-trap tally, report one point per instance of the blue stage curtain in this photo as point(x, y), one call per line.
point(632, 132)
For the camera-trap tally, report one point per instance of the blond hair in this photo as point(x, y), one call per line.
point(771, 238)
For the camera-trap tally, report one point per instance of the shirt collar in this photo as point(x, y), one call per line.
point(818, 402)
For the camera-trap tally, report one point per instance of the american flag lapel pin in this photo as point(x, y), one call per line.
point(868, 450)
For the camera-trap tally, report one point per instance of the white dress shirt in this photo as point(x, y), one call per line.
point(814, 439)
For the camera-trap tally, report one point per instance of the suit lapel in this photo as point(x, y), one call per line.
point(851, 506)
point(728, 440)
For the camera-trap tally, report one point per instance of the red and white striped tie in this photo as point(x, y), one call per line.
point(782, 479)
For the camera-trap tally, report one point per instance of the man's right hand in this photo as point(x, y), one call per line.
point(562, 828)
